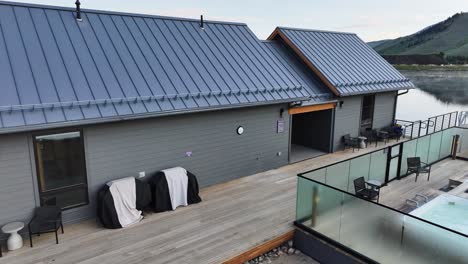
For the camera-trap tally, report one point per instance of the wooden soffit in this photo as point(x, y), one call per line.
point(311, 108)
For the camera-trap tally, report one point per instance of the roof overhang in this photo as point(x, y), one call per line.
point(114, 119)
point(278, 34)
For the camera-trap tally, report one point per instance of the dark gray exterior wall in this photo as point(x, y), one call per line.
point(348, 117)
point(384, 109)
point(17, 195)
point(117, 150)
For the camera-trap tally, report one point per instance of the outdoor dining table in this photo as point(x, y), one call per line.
point(374, 184)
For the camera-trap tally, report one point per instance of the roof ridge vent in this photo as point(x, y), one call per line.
point(78, 11)
point(202, 24)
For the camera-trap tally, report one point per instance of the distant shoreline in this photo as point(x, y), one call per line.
point(431, 67)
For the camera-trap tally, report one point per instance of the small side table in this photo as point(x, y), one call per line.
point(15, 241)
point(362, 142)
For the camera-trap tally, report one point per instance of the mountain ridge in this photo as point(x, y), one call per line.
point(448, 39)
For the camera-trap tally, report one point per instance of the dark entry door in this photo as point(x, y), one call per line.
point(367, 111)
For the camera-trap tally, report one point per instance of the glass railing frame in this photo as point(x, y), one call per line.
point(299, 222)
point(387, 150)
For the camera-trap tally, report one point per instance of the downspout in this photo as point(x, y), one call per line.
point(396, 101)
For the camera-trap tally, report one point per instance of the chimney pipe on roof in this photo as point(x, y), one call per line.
point(78, 10)
point(202, 26)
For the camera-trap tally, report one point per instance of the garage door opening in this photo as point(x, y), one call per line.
point(311, 135)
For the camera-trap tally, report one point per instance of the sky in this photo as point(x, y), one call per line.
point(370, 19)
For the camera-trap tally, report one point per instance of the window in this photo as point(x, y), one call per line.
point(61, 169)
point(367, 113)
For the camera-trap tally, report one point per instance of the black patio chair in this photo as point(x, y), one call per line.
point(394, 132)
point(371, 138)
point(351, 142)
point(362, 190)
point(380, 135)
point(46, 219)
point(415, 165)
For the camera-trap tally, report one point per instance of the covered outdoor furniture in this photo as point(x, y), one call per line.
point(161, 193)
point(362, 190)
point(415, 165)
point(106, 210)
point(351, 142)
point(46, 219)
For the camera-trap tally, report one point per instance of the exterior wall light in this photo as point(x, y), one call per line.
point(240, 130)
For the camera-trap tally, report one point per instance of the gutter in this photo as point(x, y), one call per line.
point(405, 92)
point(141, 116)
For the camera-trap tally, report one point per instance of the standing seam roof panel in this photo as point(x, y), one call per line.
point(112, 66)
point(56, 64)
point(315, 57)
point(347, 62)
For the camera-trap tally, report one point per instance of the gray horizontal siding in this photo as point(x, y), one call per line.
point(120, 150)
point(347, 119)
point(123, 149)
point(384, 109)
point(17, 198)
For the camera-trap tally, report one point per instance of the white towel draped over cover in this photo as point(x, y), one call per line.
point(177, 183)
point(124, 195)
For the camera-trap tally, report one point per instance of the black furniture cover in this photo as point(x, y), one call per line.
point(160, 192)
point(105, 207)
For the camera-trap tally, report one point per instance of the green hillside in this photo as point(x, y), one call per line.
point(449, 37)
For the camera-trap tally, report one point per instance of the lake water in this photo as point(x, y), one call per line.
point(438, 92)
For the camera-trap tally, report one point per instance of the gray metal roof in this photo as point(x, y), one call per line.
point(298, 69)
point(347, 62)
point(111, 66)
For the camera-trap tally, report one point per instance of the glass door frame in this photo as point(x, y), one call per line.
point(83, 185)
point(390, 158)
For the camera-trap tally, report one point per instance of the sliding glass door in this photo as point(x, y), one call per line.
point(61, 169)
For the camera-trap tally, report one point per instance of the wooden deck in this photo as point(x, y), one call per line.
point(233, 218)
point(396, 192)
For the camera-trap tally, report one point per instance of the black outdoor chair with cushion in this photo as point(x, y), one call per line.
point(415, 165)
point(351, 142)
point(46, 219)
point(362, 190)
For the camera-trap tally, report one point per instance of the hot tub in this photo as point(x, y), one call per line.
point(446, 210)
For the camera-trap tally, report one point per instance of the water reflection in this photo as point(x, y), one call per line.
point(439, 92)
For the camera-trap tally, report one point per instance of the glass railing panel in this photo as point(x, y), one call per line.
point(434, 147)
point(426, 243)
point(337, 175)
point(369, 229)
point(317, 175)
point(446, 143)
point(462, 150)
point(380, 233)
point(319, 207)
point(378, 166)
point(422, 148)
point(409, 150)
point(359, 167)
